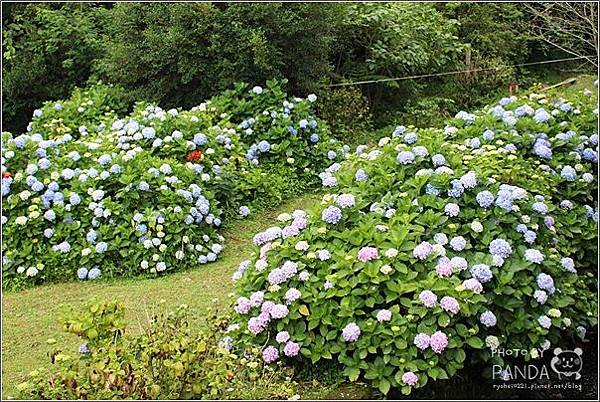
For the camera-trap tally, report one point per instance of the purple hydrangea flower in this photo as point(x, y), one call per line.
point(279, 311)
point(292, 295)
point(243, 305)
point(422, 250)
point(422, 341)
point(351, 332)
point(428, 298)
point(291, 349)
point(270, 354)
point(410, 378)
point(257, 324)
point(488, 319)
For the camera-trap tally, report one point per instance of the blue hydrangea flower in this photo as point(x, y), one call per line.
point(500, 247)
point(540, 208)
point(438, 160)
point(331, 215)
point(264, 146)
point(94, 273)
point(485, 199)
point(488, 319)
point(405, 157)
point(82, 273)
point(568, 173)
point(481, 272)
point(410, 138)
point(361, 175)
point(314, 138)
point(545, 282)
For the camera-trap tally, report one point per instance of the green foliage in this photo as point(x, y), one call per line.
point(426, 112)
point(48, 50)
point(168, 360)
point(178, 54)
point(349, 286)
point(148, 193)
point(346, 110)
point(492, 30)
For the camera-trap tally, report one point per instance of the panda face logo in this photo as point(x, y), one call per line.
point(567, 362)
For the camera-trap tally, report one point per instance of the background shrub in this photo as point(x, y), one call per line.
point(48, 50)
point(179, 54)
point(346, 110)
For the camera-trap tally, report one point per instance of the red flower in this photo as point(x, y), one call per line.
point(5, 175)
point(194, 156)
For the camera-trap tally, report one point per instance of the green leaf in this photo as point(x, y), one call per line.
point(475, 342)
point(384, 386)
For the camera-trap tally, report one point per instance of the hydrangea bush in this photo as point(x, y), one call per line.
point(88, 194)
point(436, 247)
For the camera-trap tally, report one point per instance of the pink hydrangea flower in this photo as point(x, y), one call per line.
point(450, 304)
point(367, 254)
point(282, 337)
point(444, 269)
point(438, 341)
point(473, 285)
point(291, 349)
point(410, 378)
point(423, 250)
point(384, 315)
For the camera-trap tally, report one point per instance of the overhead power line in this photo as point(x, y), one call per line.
point(410, 77)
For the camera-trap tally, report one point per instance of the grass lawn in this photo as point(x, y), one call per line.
point(29, 317)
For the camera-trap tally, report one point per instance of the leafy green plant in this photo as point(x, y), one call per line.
point(346, 110)
point(435, 248)
point(168, 360)
point(103, 194)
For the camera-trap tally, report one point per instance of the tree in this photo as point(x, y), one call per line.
point(571, 27)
